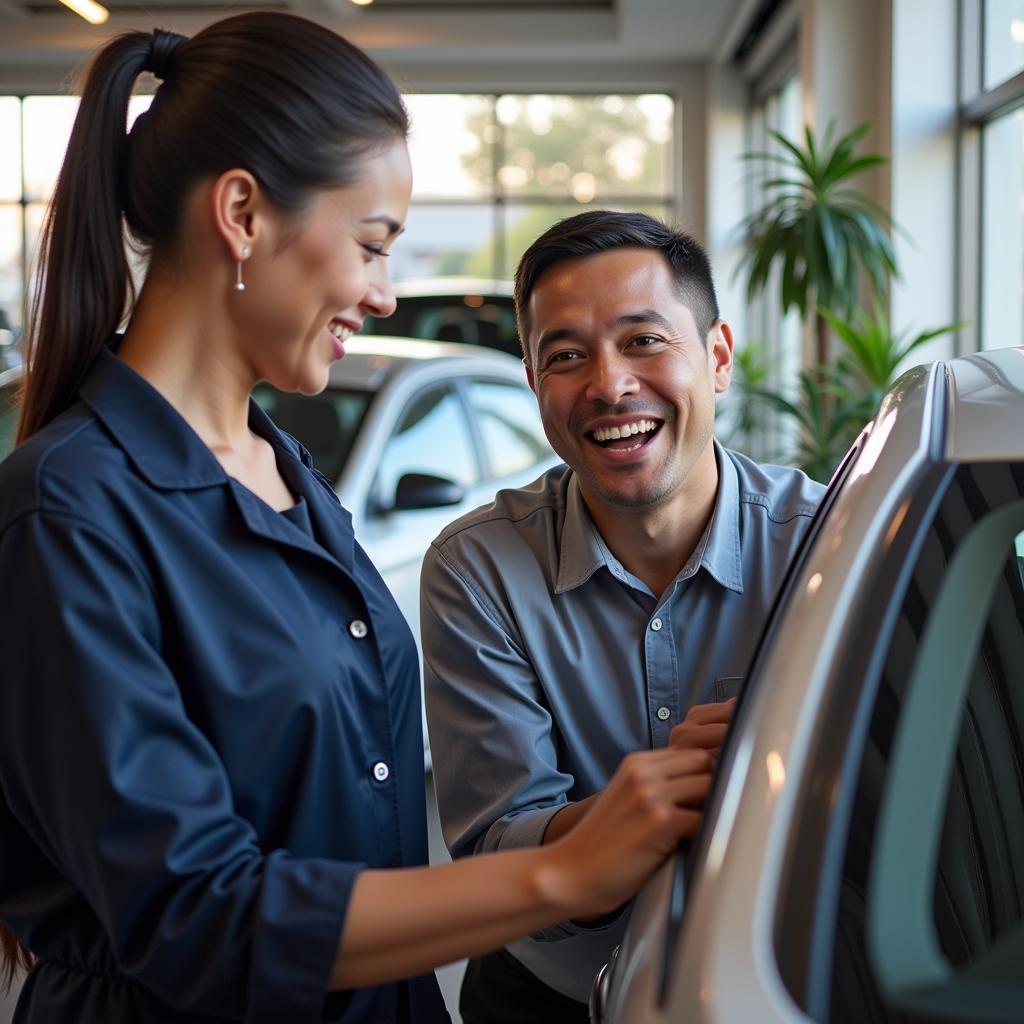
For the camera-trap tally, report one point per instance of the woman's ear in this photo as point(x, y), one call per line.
point(234, 201)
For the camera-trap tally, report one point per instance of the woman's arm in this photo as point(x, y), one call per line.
point(401, 923)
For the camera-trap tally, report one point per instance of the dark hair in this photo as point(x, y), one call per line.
point(598, 231)
point(282, 97)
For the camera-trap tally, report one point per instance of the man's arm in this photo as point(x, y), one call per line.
point(495, 759)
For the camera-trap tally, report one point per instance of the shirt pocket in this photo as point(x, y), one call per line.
point(727, 687)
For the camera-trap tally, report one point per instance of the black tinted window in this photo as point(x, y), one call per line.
point(326, 424)
point(473, 319)
point(977, 894)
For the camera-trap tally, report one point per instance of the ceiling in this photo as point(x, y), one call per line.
point(41, 38)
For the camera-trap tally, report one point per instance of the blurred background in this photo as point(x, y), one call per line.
point(855, 170)
point(527, 111)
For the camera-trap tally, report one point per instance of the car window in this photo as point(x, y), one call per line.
point(472, 319)
point(509, 424)
point(8, 416)
point(970, 870)
point(432, 437)
point(327, 424)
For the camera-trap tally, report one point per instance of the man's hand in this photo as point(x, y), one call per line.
point(704, 727)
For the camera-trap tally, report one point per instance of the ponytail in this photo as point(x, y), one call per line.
point(83, 279)
point(14, 958)
point(287, 99)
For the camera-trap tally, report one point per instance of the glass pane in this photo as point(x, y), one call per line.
point(585, 147)
point(48, 122)
point(1004, 40)
point(524, 224)
point(510, 424)
point(1002, 226)
point(433, 438)
point(445, 241)
point(450, 146)
point(8, 415)
point(473, 318)
point(979, 881)
point(11, 284)
point(326, 424)
point(10, 132)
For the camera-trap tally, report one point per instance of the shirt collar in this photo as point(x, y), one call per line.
point(161, 445)
point(582, 550)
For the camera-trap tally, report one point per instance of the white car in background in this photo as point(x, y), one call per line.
point(413, 434)
point(862, 856)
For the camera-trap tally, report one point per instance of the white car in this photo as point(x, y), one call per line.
point(413, 434)
point(862, 858)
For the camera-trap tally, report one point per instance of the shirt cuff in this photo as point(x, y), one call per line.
point(299, 920)
point(524, 830)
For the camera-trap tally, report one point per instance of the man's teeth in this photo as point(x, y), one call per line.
point(340, 331)
point(626, 430)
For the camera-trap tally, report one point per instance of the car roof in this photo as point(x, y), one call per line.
point(985, 410)
point(373, 359)
point(454, 286)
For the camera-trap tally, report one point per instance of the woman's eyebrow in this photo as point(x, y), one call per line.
point(394, 228)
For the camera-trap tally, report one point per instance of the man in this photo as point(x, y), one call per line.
point(583, 617)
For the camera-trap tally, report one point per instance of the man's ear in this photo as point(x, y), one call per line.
point(234, 202)
point(529, 376)
point(720, 355)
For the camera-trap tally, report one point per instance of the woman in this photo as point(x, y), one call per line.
point(210, 759)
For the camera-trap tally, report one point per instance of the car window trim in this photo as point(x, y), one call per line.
point(374, 507)
point(902, 939)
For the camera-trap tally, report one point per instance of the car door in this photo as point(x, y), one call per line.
point(432, 435)
point(508, 425)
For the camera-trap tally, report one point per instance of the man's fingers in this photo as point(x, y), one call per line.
point(702, 714)
point(705, 737)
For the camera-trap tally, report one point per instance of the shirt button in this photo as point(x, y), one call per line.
point(655, 624)
point(664, 714)
point(358, 628)
point(381, 771)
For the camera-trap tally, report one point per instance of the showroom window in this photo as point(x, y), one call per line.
point(35, 132)
point(494, 171)
point(992, 115)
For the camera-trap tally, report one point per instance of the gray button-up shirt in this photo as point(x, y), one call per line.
point(547, 661)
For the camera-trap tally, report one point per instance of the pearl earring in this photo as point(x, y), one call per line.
point(239, 283)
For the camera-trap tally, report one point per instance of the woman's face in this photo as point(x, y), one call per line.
point(312, 279)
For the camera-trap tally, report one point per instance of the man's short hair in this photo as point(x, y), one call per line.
point(598, 231)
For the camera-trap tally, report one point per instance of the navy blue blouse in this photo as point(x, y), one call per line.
point(209, 724)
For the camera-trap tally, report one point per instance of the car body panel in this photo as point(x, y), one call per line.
point(725, 966)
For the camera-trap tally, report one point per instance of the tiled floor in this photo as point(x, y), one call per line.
point(450, 977)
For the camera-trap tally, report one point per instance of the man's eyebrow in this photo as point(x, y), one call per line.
point(394, 228)
point(645, 316)
point(553, 334)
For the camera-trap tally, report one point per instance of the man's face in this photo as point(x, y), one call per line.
point(625, 383)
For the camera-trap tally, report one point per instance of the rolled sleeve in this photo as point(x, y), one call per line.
point(135, 807)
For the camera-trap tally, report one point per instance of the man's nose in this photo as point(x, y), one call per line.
point(611, 378)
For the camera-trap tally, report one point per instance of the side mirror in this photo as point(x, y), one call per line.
point(423, 490)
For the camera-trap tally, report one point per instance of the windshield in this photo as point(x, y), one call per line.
point(487, 320)
point(326, 424)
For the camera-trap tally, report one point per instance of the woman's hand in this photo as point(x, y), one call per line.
point(704, 727)
point(652, 801)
